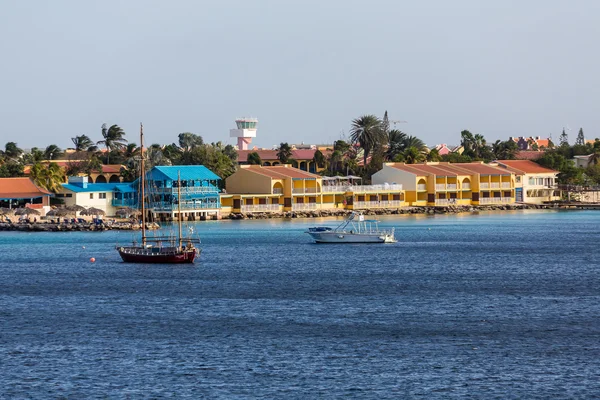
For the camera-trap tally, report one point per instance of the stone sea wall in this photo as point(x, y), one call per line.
point(387, 211)
point(77, 227)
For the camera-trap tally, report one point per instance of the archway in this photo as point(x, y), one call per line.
point(114, 179)
point(100, 179)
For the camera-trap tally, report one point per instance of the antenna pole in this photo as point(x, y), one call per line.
point(143, 183)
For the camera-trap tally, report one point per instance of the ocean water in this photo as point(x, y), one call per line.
point(490, 305)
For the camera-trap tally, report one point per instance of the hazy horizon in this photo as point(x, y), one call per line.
point(305, 69)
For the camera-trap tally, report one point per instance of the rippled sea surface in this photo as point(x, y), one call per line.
point(501, 305)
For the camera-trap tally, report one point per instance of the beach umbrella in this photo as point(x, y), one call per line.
point(59, 212)
point(6, 211)
point(93, 211)
point(26, 211)
point(75, 208)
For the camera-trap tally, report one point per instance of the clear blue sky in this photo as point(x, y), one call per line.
point(304, 68)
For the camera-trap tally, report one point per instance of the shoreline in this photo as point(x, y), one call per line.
point(42, 226)
point(422, 210)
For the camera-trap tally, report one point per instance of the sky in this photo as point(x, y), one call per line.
point(304, 68)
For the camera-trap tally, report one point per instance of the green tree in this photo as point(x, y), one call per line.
point(413, 155)
point(188, 141)
point(11, 150)
point(254, 158)
point(49, 177)
point(53, 152)
point(367, 132)
point(434, 155)
point(284, 153)
point(114, 139)
point(35, 155)
point(397, 141)
point(11, 169)
point(580, 138)
point(564, 139)
point(506, 150)
point(319, 159)
point(82, 143)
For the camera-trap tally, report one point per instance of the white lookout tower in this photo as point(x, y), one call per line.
point(246, 130)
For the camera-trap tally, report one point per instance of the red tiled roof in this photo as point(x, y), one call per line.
point(281, 172)
point(482, 169)
point(525, 166)
point(20, 188)
point(529, 155)
point(271, 155)
point(106, 169)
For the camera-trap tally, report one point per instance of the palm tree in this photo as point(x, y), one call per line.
point(113, 139)
point(254, 159)
point(434, 155)
point(284, 152)
point(82, 142)
point(53, 152)
point(396, 143)
point(49, 177)
point(413, 155)
point(367, 132)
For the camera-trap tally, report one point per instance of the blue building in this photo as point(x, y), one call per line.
point(199, 192)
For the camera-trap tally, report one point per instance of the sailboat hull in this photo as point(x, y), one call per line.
point(157, 255)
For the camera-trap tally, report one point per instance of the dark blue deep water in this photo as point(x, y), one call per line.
point(501, 305)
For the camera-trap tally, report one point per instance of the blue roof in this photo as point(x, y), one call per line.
point(188, 173)
point(99, 187)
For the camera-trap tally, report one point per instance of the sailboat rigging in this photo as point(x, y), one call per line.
point(159, 249)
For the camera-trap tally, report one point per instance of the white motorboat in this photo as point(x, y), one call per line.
point(355, 229)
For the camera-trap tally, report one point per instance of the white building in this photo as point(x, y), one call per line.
point(105, 196)
point(534, 184)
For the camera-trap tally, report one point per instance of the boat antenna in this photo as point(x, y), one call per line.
point(143, 184)
point(179, 206)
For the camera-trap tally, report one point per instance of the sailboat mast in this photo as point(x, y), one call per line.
point(179, 205)
point(143, 184)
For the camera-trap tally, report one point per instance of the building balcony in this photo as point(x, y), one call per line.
point(277, 191)
point(505, 185)
point(304, 206)
point(442, 186)
point(466, 186)
point(124, 202)
point(260, 208)
point(422, 186)
point(378, 204)
point(495, 200)
point(310, 190)
point(446, 202)
point(334, 188)
point(495, 185)
point(374, 188)
point(184, 206)
point(484, 185)
point(184, 190)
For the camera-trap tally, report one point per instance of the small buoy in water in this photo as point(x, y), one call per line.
point(428, 229)
point(92, 259)
point(83, 247)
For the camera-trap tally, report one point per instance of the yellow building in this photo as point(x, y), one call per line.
point(442, 184)
point(256, 188)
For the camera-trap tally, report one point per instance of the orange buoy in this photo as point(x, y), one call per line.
point(92, 259)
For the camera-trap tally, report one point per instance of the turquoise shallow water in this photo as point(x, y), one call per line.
point(501, 305)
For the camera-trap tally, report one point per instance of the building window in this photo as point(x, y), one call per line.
point(69, 195)
point(91, 195)
point(101, 195)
